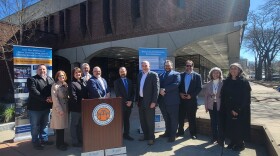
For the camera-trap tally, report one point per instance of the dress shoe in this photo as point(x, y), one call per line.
point(163, 135)
point(238, 148)
point(194, 137)
point(213, 140)
point(142, 139)
point(151, 142)
point(127, 137)
point(171, 139)
point(230, 146)
point(62, 147)
point(179, 134)
point(38, 146)
point(47, 142)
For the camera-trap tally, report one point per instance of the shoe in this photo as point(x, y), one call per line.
point(142, 139)
point(194, 137)
point(151, 142)
point(238, 148)
point(213, 140)
point(179, 134)
point(127, 137)
point(163, 135)
point(171, 139)
point(77, 145)
point(62, 147)
point(230, 146)
point(221, 143)
point(38, 146)
point(47, 142)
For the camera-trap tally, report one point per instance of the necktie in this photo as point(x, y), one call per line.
point(125, 85)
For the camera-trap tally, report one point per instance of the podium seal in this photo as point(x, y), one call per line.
point(103, 114)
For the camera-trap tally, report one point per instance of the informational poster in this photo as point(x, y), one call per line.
point(26, 61)
point(156, 57)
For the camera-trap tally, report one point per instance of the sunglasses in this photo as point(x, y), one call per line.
point(61, 75)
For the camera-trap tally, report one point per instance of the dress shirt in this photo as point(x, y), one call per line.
point(142, 82)
point(188, 78)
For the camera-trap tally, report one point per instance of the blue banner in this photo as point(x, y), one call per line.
point(156, 57)
point(26, 60)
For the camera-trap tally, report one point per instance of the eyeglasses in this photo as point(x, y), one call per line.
point(188, 65)
point(61, 75)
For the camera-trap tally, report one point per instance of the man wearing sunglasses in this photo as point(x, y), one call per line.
point(189, 88)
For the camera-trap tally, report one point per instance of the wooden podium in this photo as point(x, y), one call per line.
point(99, 133)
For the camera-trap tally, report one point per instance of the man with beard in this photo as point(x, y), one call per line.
point(123, 88)
point(169, 100)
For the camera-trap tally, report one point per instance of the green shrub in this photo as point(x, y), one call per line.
point(9, 114)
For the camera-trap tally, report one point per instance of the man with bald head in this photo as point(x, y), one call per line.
point(123, 88)
point(97, 86)
point(147, 95)
point(39, 105)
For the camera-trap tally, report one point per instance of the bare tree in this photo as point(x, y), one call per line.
point(263, 38)
point(19, 19)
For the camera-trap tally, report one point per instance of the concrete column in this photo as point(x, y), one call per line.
point(234, 47)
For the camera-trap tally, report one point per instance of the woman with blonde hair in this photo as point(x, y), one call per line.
point(59, 119)
point(213, 100)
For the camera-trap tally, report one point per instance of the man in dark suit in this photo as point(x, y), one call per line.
point(97, 86)
point(39, 104)
point(189, 88)
point(123, 88)
point(147, 95)
point(169, 100)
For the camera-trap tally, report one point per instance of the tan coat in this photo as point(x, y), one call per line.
point(209, 95)
point(59, 119)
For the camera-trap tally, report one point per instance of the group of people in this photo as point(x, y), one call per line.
point(227, 101)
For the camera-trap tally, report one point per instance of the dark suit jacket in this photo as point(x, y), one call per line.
point(195, 85)
point(95, 89)
point(150, 88)
point(39, 90)
point(171, 85)
point(121, 92)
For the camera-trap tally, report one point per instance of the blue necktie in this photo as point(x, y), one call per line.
point(125, 85)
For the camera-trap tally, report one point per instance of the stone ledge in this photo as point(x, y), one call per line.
point(259, 135)
point(7, 126)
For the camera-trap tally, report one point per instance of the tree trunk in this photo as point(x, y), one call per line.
point(258, 69)
point(269, 70)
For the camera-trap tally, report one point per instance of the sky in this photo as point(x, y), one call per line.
point(254, 4)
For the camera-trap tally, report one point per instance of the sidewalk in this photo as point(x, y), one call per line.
point(264, 111)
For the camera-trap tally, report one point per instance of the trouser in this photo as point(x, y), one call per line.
point(59, 137)
point(170, 116)
point(39, 121)
point(190, 109)
point(147, 121)
point(76, 127)
point(214, 121)
point(126, 124)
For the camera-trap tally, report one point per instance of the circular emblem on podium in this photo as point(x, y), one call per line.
point(103, 114)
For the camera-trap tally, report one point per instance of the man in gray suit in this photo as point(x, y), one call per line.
point(147, 93)
point(169, 100)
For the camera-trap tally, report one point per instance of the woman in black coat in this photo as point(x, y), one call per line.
point(235, 110)
point(77, 92)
